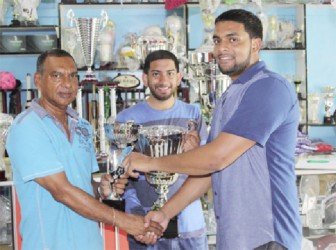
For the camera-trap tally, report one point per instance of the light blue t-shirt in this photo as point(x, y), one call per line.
point(255, 198)
point(140, 195)
point(38, 146)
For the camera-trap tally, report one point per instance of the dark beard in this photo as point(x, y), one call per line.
point(157, 97)
point(237, 69)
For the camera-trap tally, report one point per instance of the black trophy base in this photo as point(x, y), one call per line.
point(327, 120)
point(171, 231)
point(116, 204)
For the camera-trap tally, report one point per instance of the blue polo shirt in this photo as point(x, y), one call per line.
point(38, 146)
point(255, 198)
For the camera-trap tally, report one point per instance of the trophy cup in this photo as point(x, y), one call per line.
point(119, 135)
point(5, 123)
point(314, 107)
point(157, 141)
point(88, 32)
point(210, 82)
point(329, 96)
point(205, 76)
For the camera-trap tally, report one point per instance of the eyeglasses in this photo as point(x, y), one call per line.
point(59, 77)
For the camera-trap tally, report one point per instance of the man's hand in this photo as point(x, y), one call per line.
point(117, 187)
point(157, 216)
point(135, 225)
point(135, 163)
point(192, 141)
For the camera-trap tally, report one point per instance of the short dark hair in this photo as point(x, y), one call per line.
point(157, 55)
point(49, 53)
point(251, 22)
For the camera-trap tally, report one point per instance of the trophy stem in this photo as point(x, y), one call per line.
point(162, 190)
point(2, 160)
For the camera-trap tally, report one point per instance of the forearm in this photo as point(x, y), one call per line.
point(76, 199)
point(89, 207)
point(205, 159)
point(192, 189)
point(84, 204)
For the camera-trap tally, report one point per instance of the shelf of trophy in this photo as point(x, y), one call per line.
point(321, 107)
point(117, 37)
point(27, 40)
point(284, 41)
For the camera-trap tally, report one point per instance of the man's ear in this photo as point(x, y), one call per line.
point(145, 79)
point(38, 80)
point(179, 75)
point(256, 44)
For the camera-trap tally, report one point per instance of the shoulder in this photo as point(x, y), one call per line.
point(270, 84)
point(132, 112)
point(187, 106)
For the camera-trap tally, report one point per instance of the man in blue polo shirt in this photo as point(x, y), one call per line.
point(250, 149)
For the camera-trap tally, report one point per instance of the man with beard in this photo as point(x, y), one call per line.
point(161, 75)
point(250, 149)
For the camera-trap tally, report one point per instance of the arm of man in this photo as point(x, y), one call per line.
point(89, 207)
point(217, 155)
point(192, 189)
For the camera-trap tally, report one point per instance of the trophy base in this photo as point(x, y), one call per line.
point(116, 204)
point(172, 229)
point(298, 45)
point(327, 120)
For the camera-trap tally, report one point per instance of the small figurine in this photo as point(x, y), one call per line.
point(25, 11)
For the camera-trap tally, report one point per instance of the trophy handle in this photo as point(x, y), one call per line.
point(104, 19)
point(192, 125)
point(71, 17)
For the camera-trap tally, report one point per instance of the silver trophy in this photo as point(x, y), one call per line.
point(5, 122)
point(329, 98)
point(157, 141)
point(208, 81)
point(88, 31)
point(119, 136)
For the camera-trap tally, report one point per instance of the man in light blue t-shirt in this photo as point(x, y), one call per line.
point(250, 149)
point(161, 75)
point(52, 157)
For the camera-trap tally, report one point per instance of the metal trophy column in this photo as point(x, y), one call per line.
point(88, 32)
point(119, 136)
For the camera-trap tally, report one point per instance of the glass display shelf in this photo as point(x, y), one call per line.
point(27, 39)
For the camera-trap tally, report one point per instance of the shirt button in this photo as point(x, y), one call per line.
point(217, 217)
point(215, 193)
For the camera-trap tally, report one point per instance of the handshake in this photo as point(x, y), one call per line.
point(146, 230)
